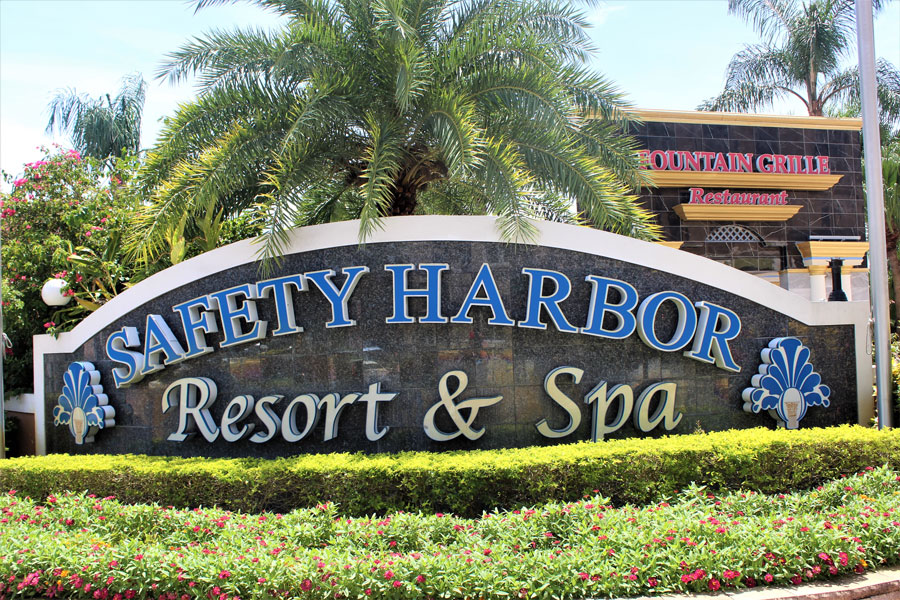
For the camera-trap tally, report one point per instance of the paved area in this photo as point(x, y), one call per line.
point(879, 585)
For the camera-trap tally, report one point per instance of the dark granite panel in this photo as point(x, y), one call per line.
point(411, 360)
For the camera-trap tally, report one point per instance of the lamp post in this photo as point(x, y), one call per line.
point(837, 291)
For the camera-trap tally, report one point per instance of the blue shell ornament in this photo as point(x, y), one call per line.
point(786, 385)
point(83, 406)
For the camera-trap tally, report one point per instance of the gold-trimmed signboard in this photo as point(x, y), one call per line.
point(736, 212)
point(768, 181)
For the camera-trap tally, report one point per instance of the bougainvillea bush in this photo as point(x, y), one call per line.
point(80, 546)
point(63, 218)
point(66, 217)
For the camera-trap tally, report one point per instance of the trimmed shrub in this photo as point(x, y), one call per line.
point(627, 471)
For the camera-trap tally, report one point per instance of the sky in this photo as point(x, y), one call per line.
point(662, 54)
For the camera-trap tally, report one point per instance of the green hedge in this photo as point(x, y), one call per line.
point(628, 471)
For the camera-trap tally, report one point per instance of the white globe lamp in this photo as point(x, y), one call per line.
point(52, 293)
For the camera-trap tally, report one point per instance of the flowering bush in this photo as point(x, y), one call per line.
point(80, 546)
point(64, 219)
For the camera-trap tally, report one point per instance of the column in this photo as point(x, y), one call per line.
point(817, 282)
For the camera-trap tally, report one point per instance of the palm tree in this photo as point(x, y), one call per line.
point(370, 108)
point(803, 45)
point(101, 127)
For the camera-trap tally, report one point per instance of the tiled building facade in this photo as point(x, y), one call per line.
point(783, 226)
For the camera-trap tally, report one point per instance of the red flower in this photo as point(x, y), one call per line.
point(768, 577)
point(653, 582)
point(398, 583)
point(584, 576)
point(420, 579)
point(224, 574)
point(388, 574)
point(305, 585)
point(714, 584)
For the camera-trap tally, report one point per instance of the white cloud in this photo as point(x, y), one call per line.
point(601, 16)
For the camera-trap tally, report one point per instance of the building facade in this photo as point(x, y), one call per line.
point(776, 196)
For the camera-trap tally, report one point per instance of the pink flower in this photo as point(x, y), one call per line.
point(713, 584)
point(305, 585)
point(388, 574)
point(584, 576)
point(19, 182)
point(224, 574)
point(768, 578)
point(261, 580)
point(398, 583)
point(652, 581)
point(420, 579)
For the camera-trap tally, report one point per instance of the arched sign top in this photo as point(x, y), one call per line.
point(466, 229)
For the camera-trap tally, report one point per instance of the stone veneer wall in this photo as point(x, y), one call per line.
point(838, 211)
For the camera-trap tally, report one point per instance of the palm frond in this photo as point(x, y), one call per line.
point(221, 55)
point(414, 73)
point(452, 122)
point(769, 18)
point(382, 159)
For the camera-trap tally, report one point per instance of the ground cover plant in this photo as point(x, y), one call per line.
point(81, 546)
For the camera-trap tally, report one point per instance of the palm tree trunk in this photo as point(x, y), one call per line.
point(403, 202)
point(892, 238)
point(894, 264)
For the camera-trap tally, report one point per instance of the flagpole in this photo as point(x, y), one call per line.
point(865, 40)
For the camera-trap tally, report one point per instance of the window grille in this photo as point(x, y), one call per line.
point(734, 233)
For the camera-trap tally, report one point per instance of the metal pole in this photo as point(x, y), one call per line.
point(865, 40)
point(2, 353)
